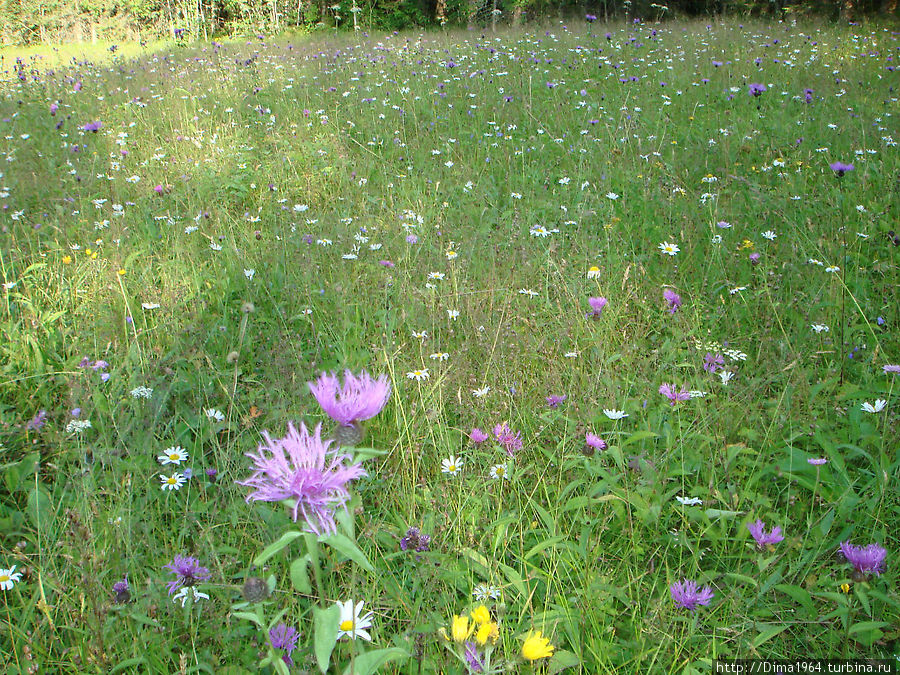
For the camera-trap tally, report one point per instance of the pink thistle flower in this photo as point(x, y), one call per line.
point(762, 537)
point(668, 390)
point(597, 305)
point(303, 468)
point(688, 595)
point(865, 559)
point(594, 441)
point(478, 436)
point(360, 398)
point(187, 571)
point(673, 299)
point(511, 442)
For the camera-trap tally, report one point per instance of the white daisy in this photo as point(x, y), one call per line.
point(453, 314)
point(451, 465)
point(479, 393)
point(615, 414)
point(820, 327)
point(9, 577)
point(668, 248)
point(688, 501)
point(768, 234)
point(880, 403)
point(418, 375)
point(593, 272)
point(352, 625)
point(174, 455)
point(173, 482)
point(214, 415)
point(439, 356)
point(499, 471)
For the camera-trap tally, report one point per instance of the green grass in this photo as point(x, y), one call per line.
point(371, 133)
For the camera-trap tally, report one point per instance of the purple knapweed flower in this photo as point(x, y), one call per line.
point(597, 305)
point(668, 390)
point(590, 18)
point(762, 537)
point(865, 559)
point(473, 660)
point(673, 299)
point(121, 589)
point(594, 441)
point(511, 442)
point(93, 126)
point(890, 368)
point(808, 95)
point(754, 258)
point(37, 422)
point(412, 239)
point(817, 461)
point(187, 571)
point(756, 89)
point(477, 435)
point(840, 168)
point(713, 362)
point(553, 401)
point(303, 468)
point(284, 637)
point(415, 540)
point(688, 595)
point(360, 398)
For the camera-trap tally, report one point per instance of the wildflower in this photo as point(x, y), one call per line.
point(174, 455)
point(865, 560)
point(890, 368)
point(511, 442)
point(487, 629)
point(284, 637)
point(439, 356)
point(352, 625)
point(37, 422)
point(713, 362)
point(77, 426)
point(189, 592)
point(756, 90)
point(173, 482)
point(673, 299)
point(668, 390)
point(360, 398)
point(770, 235)
point(9, 577)
point(688, 501)
point(614, 414)
point(141, 392)
point(840, 168)
point(415, 540)
point(553, 401)
point(305, 470)
point(473, 661)
point(669, 248)
point(477, 435)
point(819, 328)
point(214, 415)
point(418, 375)
point(594, 441)
point(593, 272)
point(481, 393)
point(817, 461)
point(688, 595)
point(880, 403)
point(121, 589)
point(726, 376)
point(255, 590)
point(451, 465)
point(536, 647)
point(187, 571)
point(762, 537)
point(499, 471)
point(597, 305)
point(483, 593)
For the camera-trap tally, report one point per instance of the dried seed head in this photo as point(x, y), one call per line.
point(255, 590)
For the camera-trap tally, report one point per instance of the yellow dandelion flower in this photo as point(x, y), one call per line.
point(460, 629)
point(536, 647)
point(487, 631)
point(481, 615)
point(67, 259)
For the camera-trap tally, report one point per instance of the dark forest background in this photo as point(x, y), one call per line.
point(55, 21)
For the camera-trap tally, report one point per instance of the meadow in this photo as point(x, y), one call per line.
point(612, 311)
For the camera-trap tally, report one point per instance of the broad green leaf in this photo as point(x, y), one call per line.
point(275, 547)
point(742, 578)
point(361, 454)
point(348, 547)
point(325, 631)
point(127, 664)
point(370, 662)
point(300, 575)
point(38, 507)
point(249, 616)
point(547, 543)
point(562, 660)
point(638, 436)
point(767, 633)
point(800, 595)
point(864, 626)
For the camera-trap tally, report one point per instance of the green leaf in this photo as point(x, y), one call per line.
point(547, 543)
point(864, 626)
point(562, 660)
point(128, 663)
point(348, 547)
point(742, 578)
point(362, 454)
point(38, 507)
point(767, 634)
point(250, 616)
point(370, 662)
point(275, 547)
point(280, 667)
point(638, 436)
point(300, 575)
point(800, 595)
point(325, 631)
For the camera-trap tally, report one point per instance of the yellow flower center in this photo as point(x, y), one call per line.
point(174, 456)
point(171, 480)
point(500, 470)
point(451, 468)
point(346, 625)
point(4, 578)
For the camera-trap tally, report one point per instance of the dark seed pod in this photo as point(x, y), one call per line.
point(255, 590)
